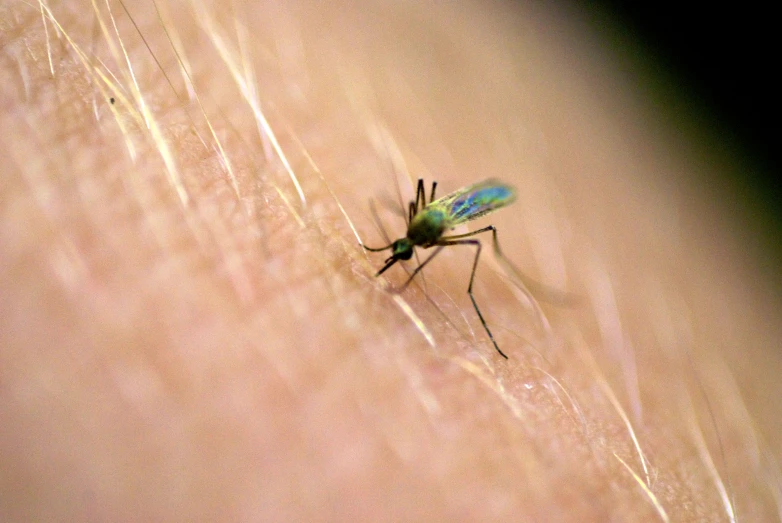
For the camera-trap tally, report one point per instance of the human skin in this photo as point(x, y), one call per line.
point(185, 334)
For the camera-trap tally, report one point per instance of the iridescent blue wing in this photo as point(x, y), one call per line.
point(474, 201)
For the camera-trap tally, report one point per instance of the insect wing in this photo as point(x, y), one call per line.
point(474, 201)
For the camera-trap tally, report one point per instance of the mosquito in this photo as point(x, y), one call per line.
point(428, 223)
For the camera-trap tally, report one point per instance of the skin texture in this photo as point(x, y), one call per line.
point(190, 331)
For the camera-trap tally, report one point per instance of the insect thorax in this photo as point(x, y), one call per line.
point(427, 226)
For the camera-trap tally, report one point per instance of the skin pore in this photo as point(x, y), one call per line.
point(190, 330)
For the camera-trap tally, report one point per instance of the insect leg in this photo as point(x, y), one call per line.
point(420, 201)
point(434, 186)
point(478, 247)
point(420, 195)
point(536, 289)
point(471, 233)
point(379, 225)
point(378, 222)
point(418, 269)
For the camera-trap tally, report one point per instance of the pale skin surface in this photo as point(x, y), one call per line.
point(187, 338)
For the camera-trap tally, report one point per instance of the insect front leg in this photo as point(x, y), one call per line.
point(418, 269)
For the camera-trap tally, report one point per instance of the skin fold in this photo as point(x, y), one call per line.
point(190, 329)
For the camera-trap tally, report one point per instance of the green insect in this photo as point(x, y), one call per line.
point(426, 224)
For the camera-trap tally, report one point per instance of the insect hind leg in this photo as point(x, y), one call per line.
point(453, 241)
point(534, 289)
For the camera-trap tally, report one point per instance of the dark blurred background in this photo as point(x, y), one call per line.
point(715, 67)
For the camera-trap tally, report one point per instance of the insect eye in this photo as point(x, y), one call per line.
point(402, 249)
